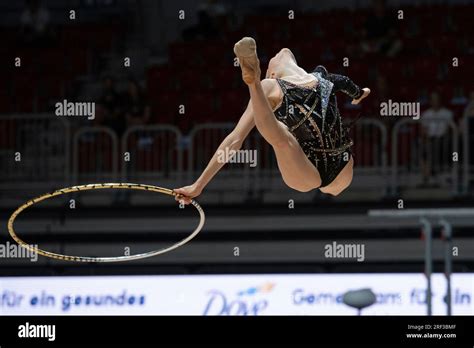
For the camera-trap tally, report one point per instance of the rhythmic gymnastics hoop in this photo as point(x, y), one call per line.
point(98, 187)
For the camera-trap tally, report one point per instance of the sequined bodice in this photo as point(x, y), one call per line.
point(312, 116)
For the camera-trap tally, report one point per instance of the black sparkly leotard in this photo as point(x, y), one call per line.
point(312, 116)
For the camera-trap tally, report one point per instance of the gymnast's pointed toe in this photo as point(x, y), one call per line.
point(246, 52)
point(246, 48)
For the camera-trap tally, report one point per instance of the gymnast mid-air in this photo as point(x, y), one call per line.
point(296, 113)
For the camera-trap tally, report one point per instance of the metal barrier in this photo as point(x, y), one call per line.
point(153, 152)
point(468, 162)
point(204, 140)
point(266, 175)
point(369, 150)
point(370, 154)
point(414, 156)
point(34, 152)
point(158, 153)
point(370, 142)
point(95, 151)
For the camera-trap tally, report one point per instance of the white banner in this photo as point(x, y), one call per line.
point(297, 294)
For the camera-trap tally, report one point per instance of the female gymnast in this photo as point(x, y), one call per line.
point(296, 113)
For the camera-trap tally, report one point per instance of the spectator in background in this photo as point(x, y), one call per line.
point(108, 107)
point(135, 105)
point(435, 125)
point(382, 88)
point(469, 110)
point(381, 95)
point(35, 24)
point(211, 15)
point(467, 125)
point(215, 9)
point(380, 32)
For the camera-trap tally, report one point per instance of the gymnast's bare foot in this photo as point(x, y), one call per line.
point(364, 95)
point(246, 51)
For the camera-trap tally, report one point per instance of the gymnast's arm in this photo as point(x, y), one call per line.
point(233, 141)
point(346, 85)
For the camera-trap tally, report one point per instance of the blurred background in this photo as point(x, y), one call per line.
point(167, 91)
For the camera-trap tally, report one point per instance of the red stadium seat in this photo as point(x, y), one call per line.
point(77, 59)
point(426, 69)
point(357, 71)
point(441, 44)
point(180, 53)
point(5, 104)
point(332, 26)
point(200, 106)
point(407, 93)
point(391, 68)
point(231, 104)
point(191, 79)
point(308, 53)
point(212, 50)
point(165, 106)
point(25, 88)
point(160, 78)
point(48, 60)
point(7, 133)
point(432, 23)
point(224, 78)
point(52, 85)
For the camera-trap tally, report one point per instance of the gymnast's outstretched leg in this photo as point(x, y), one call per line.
point(297, 171)
point(274, 132)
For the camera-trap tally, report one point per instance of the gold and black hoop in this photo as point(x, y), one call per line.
point(127, 186)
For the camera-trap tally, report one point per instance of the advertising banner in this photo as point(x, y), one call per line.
point(275, 294)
